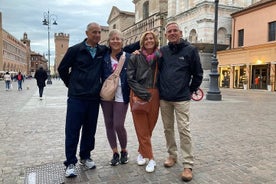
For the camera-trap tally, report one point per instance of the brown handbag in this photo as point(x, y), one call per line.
point(111, 83)
point(139, 105)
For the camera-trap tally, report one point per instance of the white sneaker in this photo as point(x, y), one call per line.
point(89, 163)
point(70, 171)
point(141, 160)
point(151, 166)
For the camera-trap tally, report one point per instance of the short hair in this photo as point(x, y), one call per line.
point(170, 23)
point(142, 39)
point(115, 31)
point(92, 24)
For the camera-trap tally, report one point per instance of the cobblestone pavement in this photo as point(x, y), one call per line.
point(234, 141)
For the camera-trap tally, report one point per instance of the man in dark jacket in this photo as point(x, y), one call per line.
point(40, 76)
point(81, 70)
point(180, 74)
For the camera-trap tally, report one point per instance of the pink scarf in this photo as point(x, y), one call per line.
point(153, 56)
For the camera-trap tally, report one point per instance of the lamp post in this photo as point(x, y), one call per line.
point(214, 93)
point(47, 21)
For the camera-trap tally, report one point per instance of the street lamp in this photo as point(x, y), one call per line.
point(47, 21)
point(214, 93)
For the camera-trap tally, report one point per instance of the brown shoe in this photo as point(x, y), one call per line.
point(187, 174)
point(170, 161)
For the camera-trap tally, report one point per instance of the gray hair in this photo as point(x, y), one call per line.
point(170, 23)
point(92, 24)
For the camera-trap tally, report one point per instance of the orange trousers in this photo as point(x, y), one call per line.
point(144, 124)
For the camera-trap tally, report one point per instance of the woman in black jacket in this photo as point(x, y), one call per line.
point(142, 76)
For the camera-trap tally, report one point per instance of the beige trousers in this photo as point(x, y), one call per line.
point(182, 116)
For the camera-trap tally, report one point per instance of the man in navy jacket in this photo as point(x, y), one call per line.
point(180, 74)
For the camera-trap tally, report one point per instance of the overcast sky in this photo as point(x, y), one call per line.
point(19, 16)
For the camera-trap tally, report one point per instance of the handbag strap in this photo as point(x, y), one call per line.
point(120, 64)
point(155, 73)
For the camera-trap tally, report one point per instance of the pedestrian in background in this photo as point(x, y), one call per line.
point(180, 74)
point(81, 71)
point(115, 111)
point(7, 78)
point(142, 74)
point(40, 76)
point(20, 78)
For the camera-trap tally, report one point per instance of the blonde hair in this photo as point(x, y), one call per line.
point(115, 31)
point(142, 39)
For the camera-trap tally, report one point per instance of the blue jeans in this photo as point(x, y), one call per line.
point(81, 114)
point(19, 84)
point(7, 84)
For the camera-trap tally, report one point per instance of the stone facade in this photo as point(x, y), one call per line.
point(149, 15)
point(195, 17)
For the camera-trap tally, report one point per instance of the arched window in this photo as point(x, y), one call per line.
point(193, 36)
point(145, 10)
point(222, 38)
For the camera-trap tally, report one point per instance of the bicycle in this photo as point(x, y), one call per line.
point(197, 95)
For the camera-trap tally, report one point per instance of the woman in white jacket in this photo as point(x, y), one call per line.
point(7, 78)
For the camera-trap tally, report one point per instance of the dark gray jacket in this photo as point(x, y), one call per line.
point(140, 75)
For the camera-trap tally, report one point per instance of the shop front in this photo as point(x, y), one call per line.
point(251, 67)
point(248, 76)
point(260, 76)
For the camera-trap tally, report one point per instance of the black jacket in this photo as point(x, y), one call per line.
point(41, 76)
point(140, 75)
point(180, 71)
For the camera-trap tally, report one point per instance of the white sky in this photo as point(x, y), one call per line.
point(19, 16)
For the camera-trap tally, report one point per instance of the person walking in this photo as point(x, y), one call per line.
point(180, 74)
point(115, 111)
point(141, 74)
point(20, 78)
point(40, 76)
point(7, 78)
point(81, 70)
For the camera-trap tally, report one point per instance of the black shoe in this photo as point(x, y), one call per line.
point(115, 160)
point(124, 157)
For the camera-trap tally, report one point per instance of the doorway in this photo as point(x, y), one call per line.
point(259, 76)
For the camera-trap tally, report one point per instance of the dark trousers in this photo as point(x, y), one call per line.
point(81, 115)
point(114, 118)
point(40, 90)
